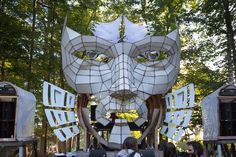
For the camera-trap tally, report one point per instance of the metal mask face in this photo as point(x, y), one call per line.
point(121, 74)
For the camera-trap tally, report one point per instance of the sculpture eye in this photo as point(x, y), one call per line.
point(92, 55)
point(151, 56)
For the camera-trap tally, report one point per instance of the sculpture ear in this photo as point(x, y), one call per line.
point(68, 34)
point(108, 30)
point(134, 32)
point(64, 25)
point(174, 35)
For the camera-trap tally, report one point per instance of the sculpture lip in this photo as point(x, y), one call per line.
point(123, 94)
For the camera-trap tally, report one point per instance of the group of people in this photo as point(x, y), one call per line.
point(130, 149)
point(195, 149)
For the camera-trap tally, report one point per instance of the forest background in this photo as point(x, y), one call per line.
point(30, 34)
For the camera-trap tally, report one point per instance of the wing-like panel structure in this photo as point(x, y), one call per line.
point(179, 114)
point(168, 99)
point(184, 97)
point(59, 117)
point(59, 105)
point(66, 132)
point(54, 96)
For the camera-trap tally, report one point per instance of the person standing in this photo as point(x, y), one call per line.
point(170, 150)
point(130, 148)
point(195, 149)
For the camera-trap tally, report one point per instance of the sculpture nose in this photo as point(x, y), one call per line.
point(122, 81)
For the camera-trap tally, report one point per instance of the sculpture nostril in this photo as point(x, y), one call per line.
point(123, 94)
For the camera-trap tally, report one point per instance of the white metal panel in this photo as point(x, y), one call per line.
point(168, 116)
point(179, 134)
point(181, 97)
point(57, 96)
point(178, 117)
point(67, 131)
point(168, 98)
point(58, 117)
point(163, 129)
point(191, 95)
point(187, 118)
point(170, 132)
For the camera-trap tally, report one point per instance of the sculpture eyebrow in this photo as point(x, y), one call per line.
point(90, 43)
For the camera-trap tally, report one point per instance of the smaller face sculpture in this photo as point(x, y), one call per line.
point(121, 73)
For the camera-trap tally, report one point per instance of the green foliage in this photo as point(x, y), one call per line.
point(81, 55)
point(210, 20)
point(129, 116)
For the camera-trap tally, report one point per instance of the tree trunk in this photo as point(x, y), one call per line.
point(2, 5)
point(2, 70)
point(68, 145)
point(29, 76)
point(2, 58)
point(230, 39)
point(48, 47)
point(43, 143)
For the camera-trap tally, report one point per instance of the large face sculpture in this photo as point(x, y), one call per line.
point(122, 73)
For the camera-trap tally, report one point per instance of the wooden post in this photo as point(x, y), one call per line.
point(22, 151)
point(219, 150)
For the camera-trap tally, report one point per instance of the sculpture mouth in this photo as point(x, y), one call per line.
point(123, 95)
point(118, 116)
point(109, 105)
point(119, 127)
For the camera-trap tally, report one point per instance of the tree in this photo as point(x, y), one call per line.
point(216, 18)
point(15, 33)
